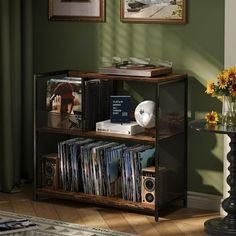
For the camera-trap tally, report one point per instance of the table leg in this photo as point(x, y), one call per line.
point(227, 225)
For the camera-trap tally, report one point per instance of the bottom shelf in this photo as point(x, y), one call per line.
point(100, 200)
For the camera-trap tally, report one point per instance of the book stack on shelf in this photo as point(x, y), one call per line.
point(120, 118)
point(107, 126)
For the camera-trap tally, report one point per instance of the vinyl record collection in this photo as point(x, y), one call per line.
point(103, 168)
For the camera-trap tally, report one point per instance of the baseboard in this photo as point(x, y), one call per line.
point(203, 201)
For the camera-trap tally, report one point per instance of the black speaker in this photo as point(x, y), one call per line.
point(50, 171)
point(148, 185)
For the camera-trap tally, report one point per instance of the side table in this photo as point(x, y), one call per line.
point(224, 225)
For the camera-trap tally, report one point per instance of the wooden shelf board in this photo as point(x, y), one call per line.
point(101, 200)
point(143, 137)
point(138, 137)
point(102, 135)
point(162, 78)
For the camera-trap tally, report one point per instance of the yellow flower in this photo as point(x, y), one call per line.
point(223, 80)
point(225, 74)
point(210, 87)
point(232, 72)
point(225, 85)
point(233, 89)
point(212, 117)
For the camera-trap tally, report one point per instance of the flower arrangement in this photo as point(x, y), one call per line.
point(225, 90)
point(226, 84)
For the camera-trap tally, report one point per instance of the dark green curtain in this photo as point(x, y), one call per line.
point(16, 96)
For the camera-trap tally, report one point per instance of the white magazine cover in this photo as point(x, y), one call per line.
point(16, 225)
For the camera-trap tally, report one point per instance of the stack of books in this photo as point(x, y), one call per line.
point(131, 128)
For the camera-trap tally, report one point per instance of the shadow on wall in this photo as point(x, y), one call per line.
point(205, 168)
point(200, 103)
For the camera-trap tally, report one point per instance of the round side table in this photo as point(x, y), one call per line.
point(224, 225)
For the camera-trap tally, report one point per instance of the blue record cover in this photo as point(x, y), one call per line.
point(120, 109)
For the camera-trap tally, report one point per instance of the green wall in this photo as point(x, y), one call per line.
point(196, 48)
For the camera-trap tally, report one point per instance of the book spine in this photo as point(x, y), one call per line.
point(130, 131)
point(113, 131)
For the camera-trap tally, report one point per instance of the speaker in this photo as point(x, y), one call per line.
point(50, 171)
point(148, 185)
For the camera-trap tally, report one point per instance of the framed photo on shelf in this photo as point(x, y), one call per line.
point(77, 10)
point(153, 11)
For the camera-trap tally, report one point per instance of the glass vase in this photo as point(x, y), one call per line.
point(229, 111)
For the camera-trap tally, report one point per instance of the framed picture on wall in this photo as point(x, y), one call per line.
point(153, 11)
point(78, 10)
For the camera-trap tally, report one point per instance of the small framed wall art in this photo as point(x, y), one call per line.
point(153, 11)
point(77, 10)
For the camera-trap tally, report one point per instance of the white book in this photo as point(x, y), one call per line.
point(124, 128)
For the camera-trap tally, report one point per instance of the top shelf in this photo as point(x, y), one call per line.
point(163, 78)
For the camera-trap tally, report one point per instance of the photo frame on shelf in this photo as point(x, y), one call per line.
point(153, 11)
point(77, 10)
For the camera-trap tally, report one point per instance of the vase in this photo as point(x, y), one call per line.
point(229, 111)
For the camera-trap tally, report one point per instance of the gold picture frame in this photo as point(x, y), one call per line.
point(77, 10)
point(153, 11)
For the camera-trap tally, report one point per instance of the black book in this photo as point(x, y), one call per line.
point(96, 102)
point(120, 109)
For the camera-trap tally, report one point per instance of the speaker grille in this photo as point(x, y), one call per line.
point(148, 190)
point(149, 184)
point(149, 197)
point(50, 171)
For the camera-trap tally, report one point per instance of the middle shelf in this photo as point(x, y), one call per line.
point(147, 137)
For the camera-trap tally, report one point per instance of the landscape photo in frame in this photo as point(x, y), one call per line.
point(153, 11)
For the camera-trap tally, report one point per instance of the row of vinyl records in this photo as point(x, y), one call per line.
point(103, 168)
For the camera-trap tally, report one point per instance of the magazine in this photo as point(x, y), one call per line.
point(17, 225)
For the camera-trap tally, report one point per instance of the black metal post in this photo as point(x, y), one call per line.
point(227, 225)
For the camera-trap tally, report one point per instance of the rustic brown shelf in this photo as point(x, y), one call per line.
point(159, 79)
point(169, 139)
point(101, 200)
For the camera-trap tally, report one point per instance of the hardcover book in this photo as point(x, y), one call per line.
point(118, 128)
point(96, 102)
point(120, 109)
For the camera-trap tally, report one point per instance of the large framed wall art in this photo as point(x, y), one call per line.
point(79, 10)
point(153, 11)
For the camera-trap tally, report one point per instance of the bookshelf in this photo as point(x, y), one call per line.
point(169, 139)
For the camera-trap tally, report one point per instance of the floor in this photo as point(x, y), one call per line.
point(181, 222)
